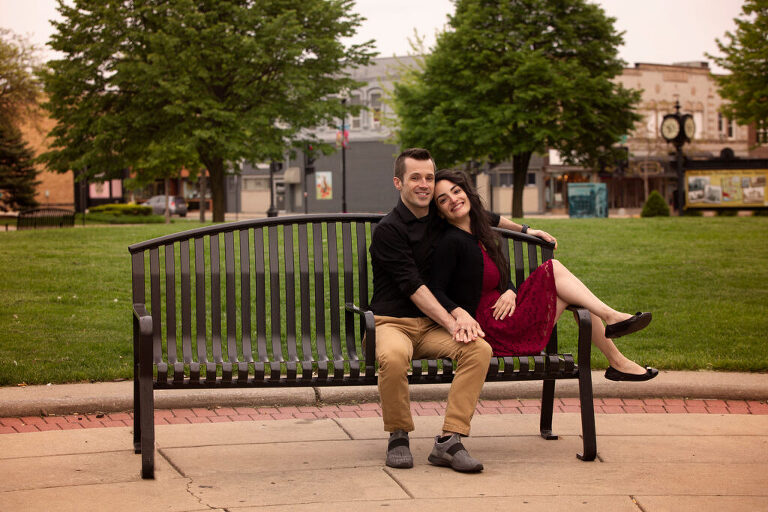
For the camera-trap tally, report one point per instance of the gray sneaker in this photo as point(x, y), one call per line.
point(451, 453)
point(399, 451)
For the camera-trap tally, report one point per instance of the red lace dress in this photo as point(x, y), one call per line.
point(527, 331)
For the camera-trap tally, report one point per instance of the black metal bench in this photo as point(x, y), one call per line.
point(45, 218)
point(281, 302)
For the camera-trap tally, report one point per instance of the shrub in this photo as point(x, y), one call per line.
point(760, 213)
point(655, 206)
point(693, 213)
point(728, 212)
point(122, 209)
point(109, 218)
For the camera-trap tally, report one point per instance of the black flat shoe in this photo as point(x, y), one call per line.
point(628, 326)
point(613, 374)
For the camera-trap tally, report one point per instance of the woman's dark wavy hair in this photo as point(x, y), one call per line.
point(479, 222)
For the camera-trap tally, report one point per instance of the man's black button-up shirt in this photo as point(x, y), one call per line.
point(401, 254)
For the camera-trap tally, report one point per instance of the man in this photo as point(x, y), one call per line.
point(411, 323)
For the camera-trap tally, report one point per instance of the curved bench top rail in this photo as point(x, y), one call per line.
point(301, 219)
point(524, 237)
point(254, 223)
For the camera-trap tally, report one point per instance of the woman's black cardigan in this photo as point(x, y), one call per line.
point(457, 271)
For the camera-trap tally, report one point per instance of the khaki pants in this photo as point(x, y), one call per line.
point(398, 341)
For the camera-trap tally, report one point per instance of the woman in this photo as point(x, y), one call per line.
point(469, 271)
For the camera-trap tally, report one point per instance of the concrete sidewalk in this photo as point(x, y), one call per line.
point(118, 396)
point(646, 462)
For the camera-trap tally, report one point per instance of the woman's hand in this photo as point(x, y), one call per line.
point(466, 328)
point(505, 305)
point(543, 235)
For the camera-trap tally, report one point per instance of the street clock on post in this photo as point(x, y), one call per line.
point(689, 127)
point(677, 128)
point(670, 127)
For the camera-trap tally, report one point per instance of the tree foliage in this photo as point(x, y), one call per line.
point(19, 88)
point(17, 171)
point(157, 85)
point(746, 58)
point(514, 77)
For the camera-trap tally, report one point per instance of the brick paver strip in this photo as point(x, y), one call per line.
point(373, 409)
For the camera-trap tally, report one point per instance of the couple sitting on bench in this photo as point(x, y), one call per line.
point(442, 289)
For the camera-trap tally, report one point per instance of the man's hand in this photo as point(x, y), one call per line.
point(543, 235)
point(505, 305)
point(466, 328)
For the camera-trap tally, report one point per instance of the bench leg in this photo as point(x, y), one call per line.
point(547, 408)
point(136, 411)
point(585, 385)
point(147, 426)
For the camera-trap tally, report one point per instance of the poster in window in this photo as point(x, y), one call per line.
point(324, 185)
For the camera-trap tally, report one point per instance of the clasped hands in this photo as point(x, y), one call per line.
point(466, 328)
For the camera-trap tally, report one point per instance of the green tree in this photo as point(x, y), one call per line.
point(19, 89)
point(746, 57)
point(17, 172)
point(156, 85)
point(514, 77)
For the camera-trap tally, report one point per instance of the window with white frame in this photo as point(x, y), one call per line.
point(375, 110)
point(725, 127)
point(355, 120)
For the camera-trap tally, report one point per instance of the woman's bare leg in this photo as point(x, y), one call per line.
point(615, 358)
point(573, 291)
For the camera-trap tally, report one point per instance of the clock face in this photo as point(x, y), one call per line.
point(670, 128)
point(689, 127)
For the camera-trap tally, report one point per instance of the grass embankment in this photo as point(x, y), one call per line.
point(65, 294)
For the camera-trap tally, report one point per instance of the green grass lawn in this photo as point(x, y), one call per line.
point(66, 316)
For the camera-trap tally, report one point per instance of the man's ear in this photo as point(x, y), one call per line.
point(398, 183)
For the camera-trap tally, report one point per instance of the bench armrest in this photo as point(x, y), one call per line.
point(144, 320)
point(584, 321)
point(369, 342)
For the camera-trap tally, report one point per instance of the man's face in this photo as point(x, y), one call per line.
point(417, 186)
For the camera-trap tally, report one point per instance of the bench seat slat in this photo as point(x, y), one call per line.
point(261, 296)
point(304, 299)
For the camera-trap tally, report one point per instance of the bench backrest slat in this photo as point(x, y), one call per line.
point(306, 341)
point(154, 291)
point(319, 282)
point(186, 303)
point(215, 256)
point(170, 303)
point(532, 258)
point(245, 302)
point(261, 314)
point(290, 294)
point(349, 291)
point(274, 295)
point(200, 300)
point(333, 291)
point(517, 249)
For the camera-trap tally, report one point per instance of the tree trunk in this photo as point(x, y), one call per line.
point(166, 186)
point(217, 176)
point(520, 163)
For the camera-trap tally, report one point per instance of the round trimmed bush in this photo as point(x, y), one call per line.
point(655, 206)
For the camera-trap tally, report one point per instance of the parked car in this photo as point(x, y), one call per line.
point(177, 205)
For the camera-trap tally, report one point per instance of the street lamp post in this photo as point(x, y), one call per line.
point(343, 160)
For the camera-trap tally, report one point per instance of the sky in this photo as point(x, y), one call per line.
point(655, 31)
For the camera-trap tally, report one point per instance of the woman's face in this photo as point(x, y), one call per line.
point(452, 202)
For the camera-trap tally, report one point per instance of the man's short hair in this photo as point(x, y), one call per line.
point(416, 154)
